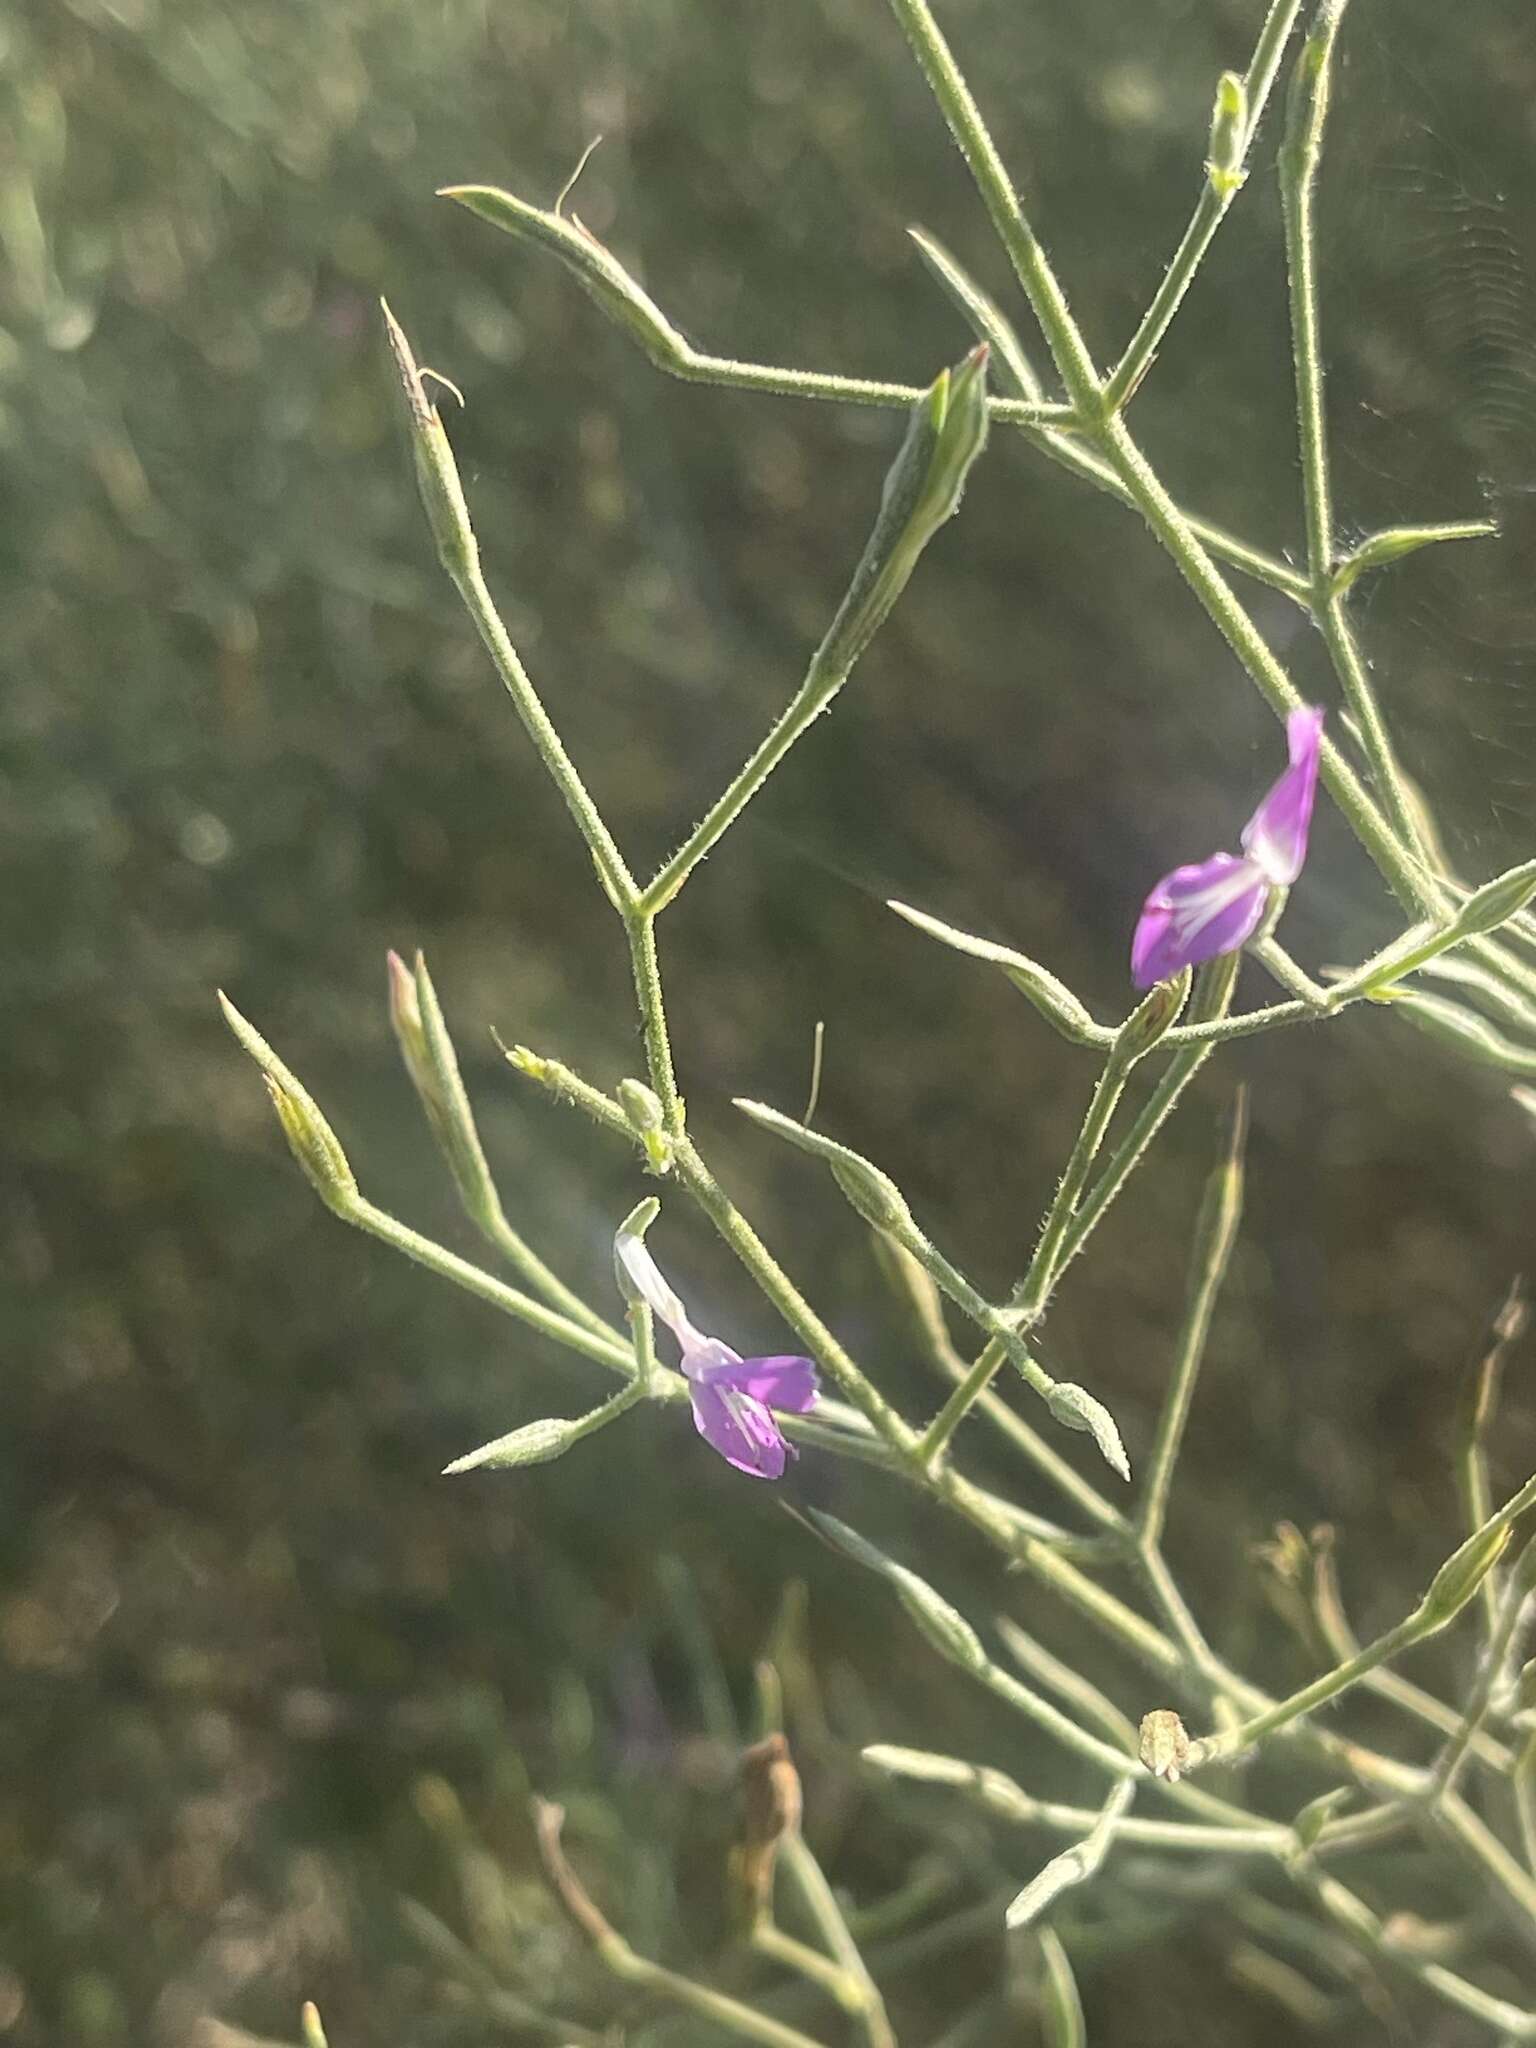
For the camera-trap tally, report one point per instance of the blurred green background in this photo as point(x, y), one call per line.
point(266, 1676)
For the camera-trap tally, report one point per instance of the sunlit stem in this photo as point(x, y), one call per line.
point(1214, 988)
point(1216, 1228)
point(821, 685)
point(1511, 1600)
point(1216, 197)
point(1394, 856)
point(1478, 1407)
point(1300, 157)
point(607, 1351)
point(860, 1993)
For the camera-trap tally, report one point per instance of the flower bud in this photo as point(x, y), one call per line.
point(1156, 1013)
point(873, 1193)
point(535, 1443)
point(1075, 1408)
point(310, 1138)
point(1463, 1030)
point(642, 1108)
point(1316, 1814)
point(1496, 901)
point(944, 1626)
point(1397, 541)
point(1229, 135)
point(437, 473)
point(1462, 1573)
point(1052, 998)
point(596, 269)
point(945, 434)
point(421, 1031)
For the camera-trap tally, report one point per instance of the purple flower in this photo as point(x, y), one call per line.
point(1215, 905)
point(732, 1396)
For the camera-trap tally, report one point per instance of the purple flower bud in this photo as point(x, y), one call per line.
point(1214, 906)
point(732, 1397)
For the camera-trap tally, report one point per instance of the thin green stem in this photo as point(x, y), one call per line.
point(1350, 1912)
point(1214, 987)
point(1031, 266)
point(623, 1962)
point(1395, 860)
point(1221, 1210)
point(1512, 1599)
point(607, 1351)
point(1290, 975)
point(1393, 857)
point(1216, 196)
point(1413, 1629)
point(1341, 1641)
point(1300, 158)
point(917, 1291)
point(770, 1940)
point(640, 925)
point(1524, 1786)
point(820, 1901)
point(618, 883)
point(1455, 1583)
point(1034, 1290)
point(1514, 1888)
point(1478, 1407)
point(820, 686)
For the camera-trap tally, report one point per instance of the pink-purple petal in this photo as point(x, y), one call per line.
point(1276, 835)
point(785, 1383)
point(1210, 907)
point(740, 1429)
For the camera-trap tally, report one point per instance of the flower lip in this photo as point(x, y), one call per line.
point(1195, 913)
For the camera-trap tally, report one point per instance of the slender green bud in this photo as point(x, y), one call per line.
point(986, 317)
point(1524, 1698)
point(643, 1109)
point(309, 2019)
point(1074, 1865)
point(948, 1631)
point(1463, 1030)
point(873, 1193)
point(1463, 1572)
point(945, 434)
point(1229, 135)
point(1052, 998)
point(310, 1138)
point(1397, 541)
point(405, 1019)
point(1075, 1408)
point(437, 473)
point(1495, 902)
point(596, 269)
point(566, 1085)
point(536, 1443)
point(1316, 1814)
point(1156, 1014)
point(432, 1064)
